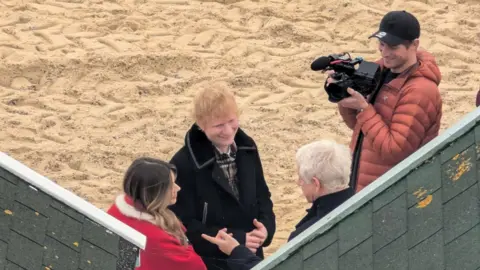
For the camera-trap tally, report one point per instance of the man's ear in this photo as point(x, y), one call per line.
point(317, 183)
point(416, 43)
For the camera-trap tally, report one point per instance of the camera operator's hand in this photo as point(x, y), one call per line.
point(356, 101)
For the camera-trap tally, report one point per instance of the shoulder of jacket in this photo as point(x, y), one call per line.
point(421, 83)
point(422, 86)
point(180, 156)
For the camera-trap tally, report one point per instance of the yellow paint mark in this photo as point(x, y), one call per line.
point(75, 244)
point(420, 193)
point(462, 168)
point(37, 214)
point(456, 157)
point(8, 212)
point(423, 203)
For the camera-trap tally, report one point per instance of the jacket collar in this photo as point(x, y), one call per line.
point(126, 206)
point(324, 204)
point(202, 150)
point(129, 208)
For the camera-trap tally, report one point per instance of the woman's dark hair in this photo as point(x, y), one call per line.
point(146, 178)
point(148, 181)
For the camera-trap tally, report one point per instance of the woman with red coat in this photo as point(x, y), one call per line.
point(149, 187)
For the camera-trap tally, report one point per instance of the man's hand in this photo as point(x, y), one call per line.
point(256, 237)
point(356, 101)
point(225, 242)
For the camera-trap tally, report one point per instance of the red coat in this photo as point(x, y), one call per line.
point(162, 250)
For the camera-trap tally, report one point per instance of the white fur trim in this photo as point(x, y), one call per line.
point(130, 211)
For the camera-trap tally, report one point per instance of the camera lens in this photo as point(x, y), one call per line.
point(336, 92)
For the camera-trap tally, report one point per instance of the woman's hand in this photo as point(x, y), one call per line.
point(225, 242)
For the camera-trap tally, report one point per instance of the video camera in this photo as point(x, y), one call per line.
point(363, 80)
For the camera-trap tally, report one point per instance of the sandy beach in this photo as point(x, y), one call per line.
point(87, 86)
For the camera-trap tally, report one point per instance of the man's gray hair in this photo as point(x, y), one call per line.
point(328, 161)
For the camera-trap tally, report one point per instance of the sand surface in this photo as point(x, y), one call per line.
point(87, 86)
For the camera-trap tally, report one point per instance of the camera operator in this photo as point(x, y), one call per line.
point(404, 111)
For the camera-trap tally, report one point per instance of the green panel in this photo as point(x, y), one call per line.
point(389, 194)
point(3, 254)
point(65, 229)
point(458, 146)
point(355, 229)
point(7, 197)
point(67, 210)
point(477, 133)
point(94, 258)
point(358, 258)
point(29, 223)
point(99, 236)
point(8, 176)
point(464, 252)
point(424, 181)
point(35, 199)
point(425, 219)
point(58, 256)
point(12, 266)
point(24, 252)
point(5, 223)
point(477, 148)
point(128, 253)
point(327, 259)
point(394, 256)
point(428, 254)
point(39, 232)
point(7, 192)
point(461, 214)
point(319, 243)
point(459, 173)
point(294, 262)
point(390, 222)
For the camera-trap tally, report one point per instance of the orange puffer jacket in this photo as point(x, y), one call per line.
point(405, 116)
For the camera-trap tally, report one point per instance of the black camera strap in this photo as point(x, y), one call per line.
point(358, 146)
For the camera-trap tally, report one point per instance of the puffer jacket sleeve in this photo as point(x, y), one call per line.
point(414, 113)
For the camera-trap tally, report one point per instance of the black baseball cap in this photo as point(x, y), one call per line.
point(397, 27)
